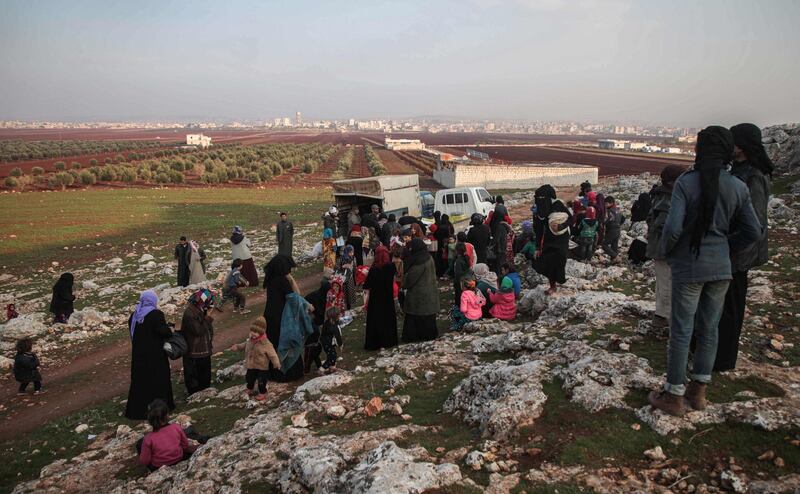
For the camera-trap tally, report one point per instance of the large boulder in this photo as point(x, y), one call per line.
point(391, 469)
point(26, 325)
point(500, 397)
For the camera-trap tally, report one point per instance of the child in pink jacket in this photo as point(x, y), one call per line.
point(505, 303)
point(471, 301)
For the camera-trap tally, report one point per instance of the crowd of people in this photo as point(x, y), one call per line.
point(706, 227)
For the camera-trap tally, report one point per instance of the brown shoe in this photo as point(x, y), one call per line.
point(696, 395)
point(667, 402)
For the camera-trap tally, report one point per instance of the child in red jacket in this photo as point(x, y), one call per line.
point(504, 302)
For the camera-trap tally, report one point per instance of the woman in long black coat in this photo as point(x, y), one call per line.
point(150, 377)
point(381, 316)
point(278, 285)
point(62, 303)
point(551, 258)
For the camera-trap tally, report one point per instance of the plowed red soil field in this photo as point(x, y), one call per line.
point(608, 164)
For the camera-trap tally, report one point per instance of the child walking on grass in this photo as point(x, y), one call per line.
point(167, 444)
point(26, 367)
point(330, 338)
point(258, 353)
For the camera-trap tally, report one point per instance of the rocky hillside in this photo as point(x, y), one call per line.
point(554, 402)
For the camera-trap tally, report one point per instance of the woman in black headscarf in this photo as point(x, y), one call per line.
point(751, 165)
point(640, 208)
point(551, 256)
point(62, 303)
point(421, 301)
point(443, 232)
point(279, 283)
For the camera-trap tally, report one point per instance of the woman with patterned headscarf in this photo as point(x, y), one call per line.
point(197, 327)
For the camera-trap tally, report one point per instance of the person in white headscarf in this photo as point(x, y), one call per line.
point(195, 257)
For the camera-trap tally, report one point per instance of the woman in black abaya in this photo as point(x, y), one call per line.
point(381, 316)
point(278, 283)
point(551, 255)
point(150, 377)
point(62, 303)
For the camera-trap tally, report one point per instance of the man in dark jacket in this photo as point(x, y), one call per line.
point(613, 223)
point(182, 256)
point(197, 328)
point(388, 229)
point(479, 236)
point(284, 234)
point(753, 167)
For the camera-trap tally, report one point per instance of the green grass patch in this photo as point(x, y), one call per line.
point(38, 225)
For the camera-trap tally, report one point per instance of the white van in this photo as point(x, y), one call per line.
point(460, 203)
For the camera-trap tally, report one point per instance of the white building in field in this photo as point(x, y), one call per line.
point(611, 144)
point(198, 140)
point(404, 144)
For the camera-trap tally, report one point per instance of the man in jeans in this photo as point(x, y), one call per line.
point(710, 215)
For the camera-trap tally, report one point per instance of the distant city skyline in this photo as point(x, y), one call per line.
point(680, 63)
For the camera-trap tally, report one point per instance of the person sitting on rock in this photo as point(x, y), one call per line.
point(507, 270)
point(472, 302)
point(11, 312)
point(258, 353)
point(167, 444)
point(504, 303)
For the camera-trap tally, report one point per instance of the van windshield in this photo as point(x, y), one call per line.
point(483, 195)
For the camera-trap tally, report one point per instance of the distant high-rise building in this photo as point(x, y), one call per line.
point(298, 119)
point(352, 122)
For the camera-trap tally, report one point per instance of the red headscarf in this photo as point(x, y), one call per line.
point(591, 213)
point(577, 206)
point(592, 197)
point(381, 257)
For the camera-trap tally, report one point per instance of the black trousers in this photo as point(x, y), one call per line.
point(252, 375)
point(37, 385)
point(730, 324)
point(196, 373)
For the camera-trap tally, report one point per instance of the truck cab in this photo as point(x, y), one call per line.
point(460, 203)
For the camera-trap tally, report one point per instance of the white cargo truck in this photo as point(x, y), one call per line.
point(397, 194)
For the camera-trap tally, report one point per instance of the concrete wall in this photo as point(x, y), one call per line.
point(519, 176)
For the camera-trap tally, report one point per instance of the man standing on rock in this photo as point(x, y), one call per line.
point(182, 256)
point(284, 233)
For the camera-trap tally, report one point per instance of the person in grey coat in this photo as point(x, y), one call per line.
point(284, 233)
point(710, 216)
point(656, 217)
point(753, 167)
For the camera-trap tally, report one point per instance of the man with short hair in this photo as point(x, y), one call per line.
point(182, 256)
point(284, 232)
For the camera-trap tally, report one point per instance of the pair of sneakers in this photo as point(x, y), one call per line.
point(242, 310)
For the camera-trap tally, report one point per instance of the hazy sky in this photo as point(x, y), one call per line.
point(682, 62)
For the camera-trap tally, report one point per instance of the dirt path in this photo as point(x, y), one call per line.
point(103, 374)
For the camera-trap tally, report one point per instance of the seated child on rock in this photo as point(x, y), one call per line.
point(167, 444)
point(507, 270)
point(11, 312)
point(26, 367)
point(258, 353)
point(330, 338)
point(504, 302)
point(472, 302)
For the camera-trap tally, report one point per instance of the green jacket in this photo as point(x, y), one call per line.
point(422, 290)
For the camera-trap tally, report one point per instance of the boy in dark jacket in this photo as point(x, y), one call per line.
point(26, 367)
point(613, 222)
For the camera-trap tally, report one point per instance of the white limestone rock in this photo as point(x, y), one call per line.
point(500, 397)
point(391, 469)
